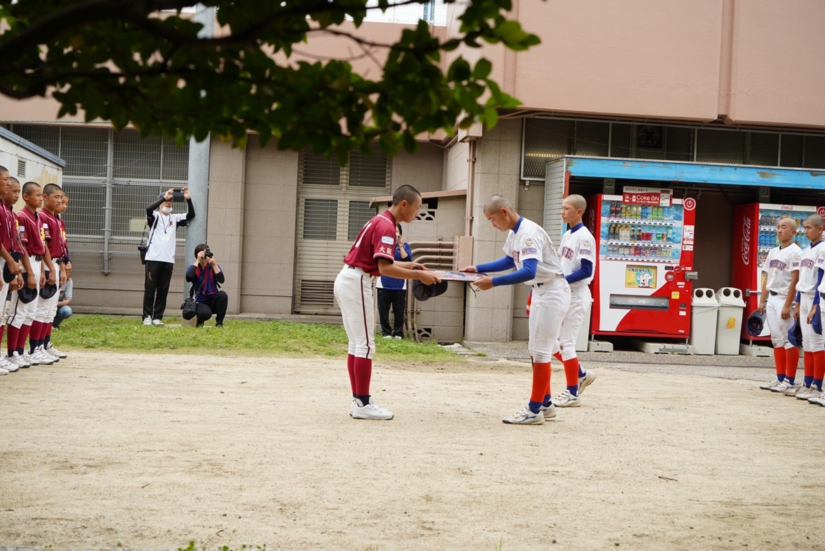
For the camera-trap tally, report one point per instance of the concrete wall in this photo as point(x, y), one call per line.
point(489, 314)
point(224, 230)
point(444, 314)
point(270, 207)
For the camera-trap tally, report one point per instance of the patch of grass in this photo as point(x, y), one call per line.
point(276, 338)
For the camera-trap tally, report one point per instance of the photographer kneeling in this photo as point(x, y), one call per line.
point(205, 276)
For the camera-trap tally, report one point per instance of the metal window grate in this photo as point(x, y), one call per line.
point(718, 146)
point(360, 213)
point(21, 168)
point(544, 139)
point(175, 165)
point(85, 151)
point(47, 137)
point(318, 293)
point(763, 149)
point(318, 170)
point(369, 170)
point(135, 157)
point(320, 219)
point(592, 138)
point(814, 152)
point(85, 215)
point(548, 138)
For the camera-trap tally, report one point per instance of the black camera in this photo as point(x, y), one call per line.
point(177, 194)
point(207, 253)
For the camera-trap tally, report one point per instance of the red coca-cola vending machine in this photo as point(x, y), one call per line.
point(645, 242)
point(754, 235)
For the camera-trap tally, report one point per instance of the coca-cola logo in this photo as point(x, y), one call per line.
point(820, 211)
point(690, 203)
point(746, 241)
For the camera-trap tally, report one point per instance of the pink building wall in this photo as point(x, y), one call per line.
point(749, 62)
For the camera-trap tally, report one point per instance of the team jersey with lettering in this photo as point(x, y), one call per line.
point(779, 265)
point(805, 263)
point(531, 241)
point(375, 240)
point(31, 232)
point(575, 247)
point(53, 234)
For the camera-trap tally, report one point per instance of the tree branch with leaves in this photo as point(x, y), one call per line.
point(131, 62)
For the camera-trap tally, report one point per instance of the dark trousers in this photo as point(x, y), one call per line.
point(398, 301)
point(156, 287)
point(216, 305)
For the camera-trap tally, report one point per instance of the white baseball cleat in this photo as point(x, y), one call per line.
point(548, 411)
point(18, 360)
point(30, 359)
point(51, 350)
point(782, 387)
point(818, 399)
point(147, 320)
point(586, 380)
point(794, 390)
point(369, 411)
point(567, 400)
point(8, 366)
point(3, 371)
point(807, 392)
point(770, 385)
point(525, 417)
point(157, 323)
point(43, 358)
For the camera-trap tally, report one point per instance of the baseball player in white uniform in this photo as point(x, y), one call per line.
point(530, 251)
point(369, 257)
point(777, 299)
point(806, 291)
point(578, 260)
point(815, 394)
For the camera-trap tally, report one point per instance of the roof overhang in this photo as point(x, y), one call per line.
point(675, 171)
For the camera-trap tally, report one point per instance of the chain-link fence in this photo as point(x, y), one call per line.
point(110, 178)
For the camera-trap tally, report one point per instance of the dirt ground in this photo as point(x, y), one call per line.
point(154, 451)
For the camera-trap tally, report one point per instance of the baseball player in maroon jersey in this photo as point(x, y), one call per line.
point(56, 244)
point(371, 256)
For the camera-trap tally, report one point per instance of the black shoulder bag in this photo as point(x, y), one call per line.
point(142, 249)
point(189, 307)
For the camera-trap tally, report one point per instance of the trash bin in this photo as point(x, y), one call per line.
point(729, 323)
point(705, 310)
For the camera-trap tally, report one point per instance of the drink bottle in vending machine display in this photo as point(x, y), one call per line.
point(639, 287)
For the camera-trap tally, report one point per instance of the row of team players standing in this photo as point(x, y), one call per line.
point(792, 294)
point(559, 296)
point(33, 259)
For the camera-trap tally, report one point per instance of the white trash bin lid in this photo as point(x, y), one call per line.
point(730, 296)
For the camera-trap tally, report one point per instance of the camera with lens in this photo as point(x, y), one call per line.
point(207, 253)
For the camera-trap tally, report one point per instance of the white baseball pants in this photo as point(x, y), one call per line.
point(811, 342)
point(4, 290)
point(580, 299)
point(353, 291)
point(47, 307)
point(23, 314)
point(779, 328)
point(549, 303)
